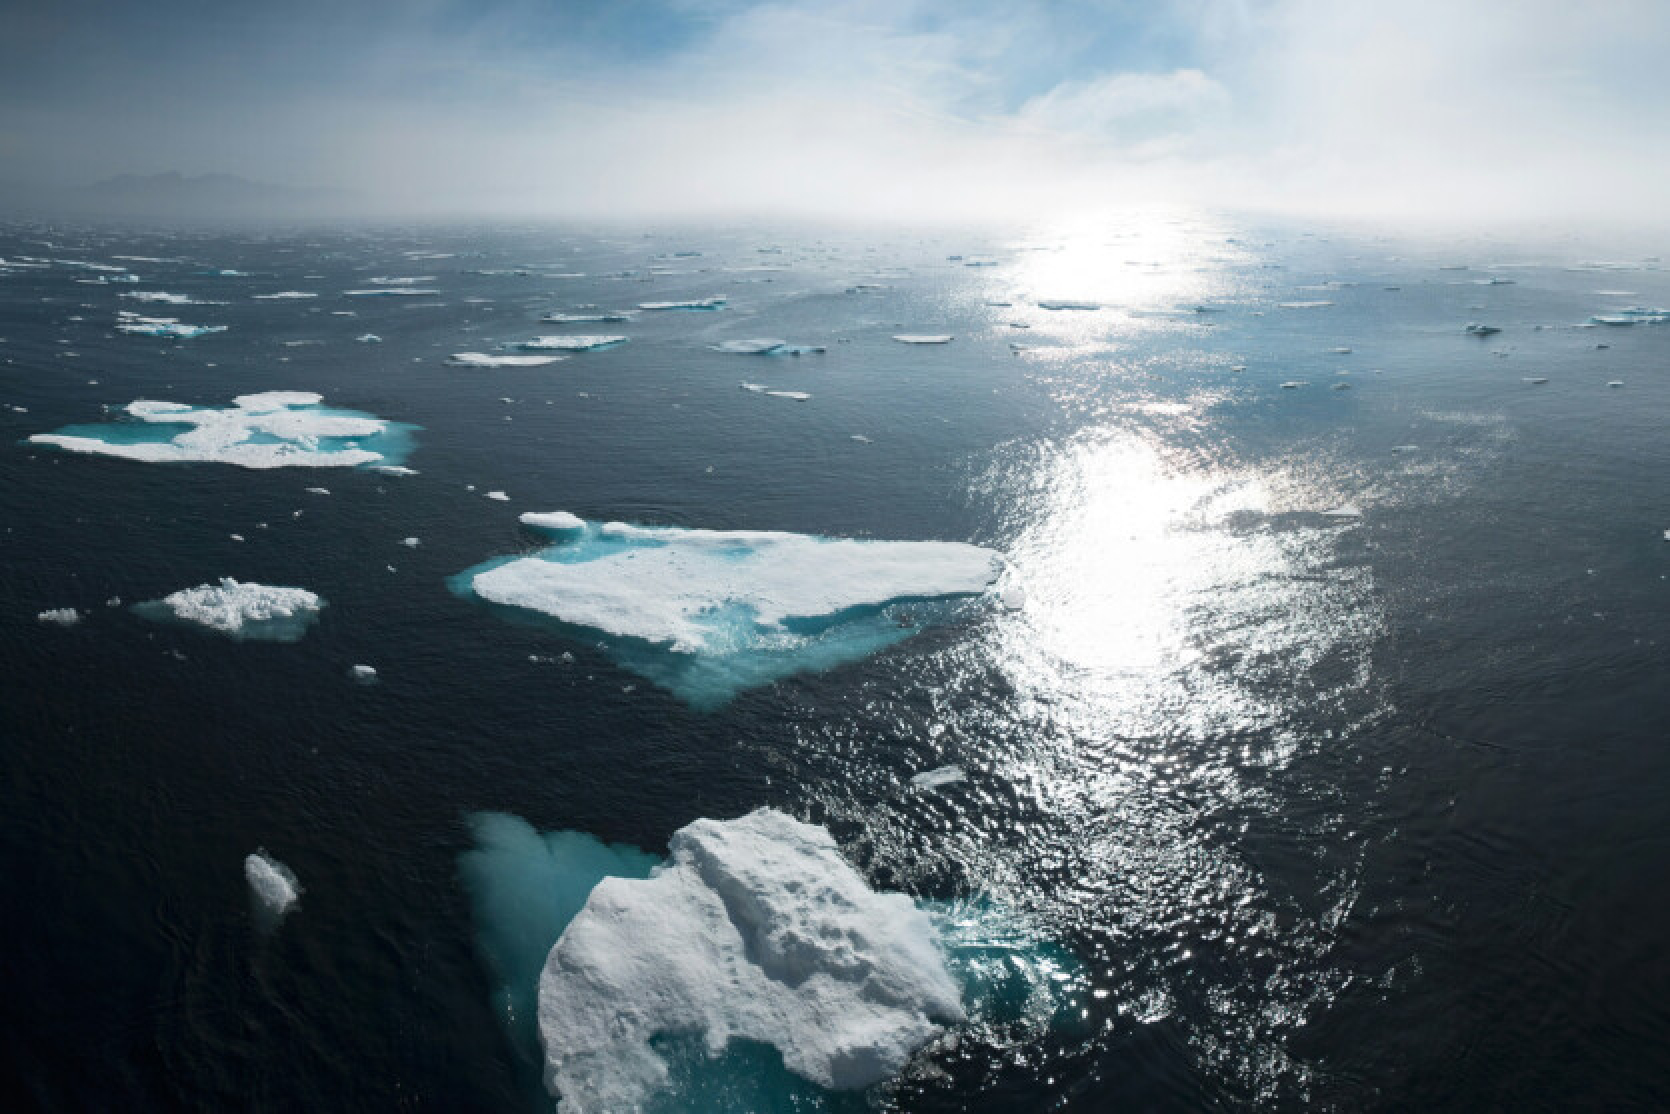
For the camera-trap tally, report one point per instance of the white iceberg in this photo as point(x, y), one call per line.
point(165, 298)
point(1303, 305)
point(369, 338)
point(586, 318)
point(363, 674)
point(569, 344)
point(274, 429)
point(762, 389)
point(62, 616)
point(133, 323)
point(271, 883)
point(695, 303)
point(708, 612)
point(285, 296)
point(923, 338)
point(242, 609)
point(755, 929)
point(553, 520)
point(484, 359)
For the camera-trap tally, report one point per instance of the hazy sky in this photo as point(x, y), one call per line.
point(905, 108)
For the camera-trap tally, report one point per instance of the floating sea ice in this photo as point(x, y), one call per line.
point(766, 346)
point(63, 616)
point(1616, 383)
point(569, 344)
point(1342, 351)
point(861, 439)
point(388, 292)
point(244, 610)
point(1303, 305)
point(944, 775)
point(498, 496)
point(1538, 379)
point(916, 338)
point(369, 338)
point(285, 296)
point(318, 491)
point(166, 298)
point(1344, 510)
point(586, 318)
point(707, 613)
point(1294, 384)
point(755, 929)
point(136, 324)
point(394, 470)
point(274, 429)
point(555, 521)
point(410, 543)
point(1478, 330)
point(1069, 305)
point(483, 359)
point(762, 389)
point(697, 303)
point(272, 883)
point(364, 674)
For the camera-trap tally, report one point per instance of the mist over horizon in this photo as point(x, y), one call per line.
point(925, 110)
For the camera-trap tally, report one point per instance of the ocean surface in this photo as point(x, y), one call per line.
point(1351, 811)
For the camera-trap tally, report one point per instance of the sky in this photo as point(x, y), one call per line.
point(902, 110)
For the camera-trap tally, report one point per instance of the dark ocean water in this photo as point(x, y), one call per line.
point(1340, 813)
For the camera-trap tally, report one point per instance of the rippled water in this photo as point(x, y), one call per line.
point(1338, 812)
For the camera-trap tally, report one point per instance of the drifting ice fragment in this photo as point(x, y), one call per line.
point(1344, 510)
point(285, 296)
point(364, 674)
point(274, 429)
point(272, 883)
point(762, 389)
point(1538, 379)
point(498, 496)
point(1065, 305)
point(244, 610)
point(136, 324)
point(916, 338)
point(63, 616)
point(707, 613)
point(569, 344)
point(369, 338)
point(934, 779)
point(1478, 330)
point(697, 303)
point(483, 359)
point(755, 929)
point(766, 346)
point(586, 318)
point(554, 521)
point(1303, 305)
point(388, 292)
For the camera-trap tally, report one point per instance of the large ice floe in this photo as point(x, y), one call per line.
point(707, 613)
point(767, 346)
point(694, 303)
point(753, 969)
point(242, 609)
point(139, 325)
point(274, 429)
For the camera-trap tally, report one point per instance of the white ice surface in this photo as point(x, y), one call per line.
point(232, 605)
point(272, 883)
point(755, 929)
point(484, 359)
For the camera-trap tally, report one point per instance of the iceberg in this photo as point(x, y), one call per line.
point(62, 616)
point(484, 359)
point(707, 613)
point(919, 338)
point(244, 610)
point(762, 389)
point(753, 969)
point(696, 303)
point(1069, 305)
point(165, 298)
point(271, 883)
point(553, 520)
point(284, 296)
point(275, 429)
point(363, 674)
point(369, 338)
point(569, 344)
point(134, 323)
point(934, 779)
point(1303, 305)
point(766, 346)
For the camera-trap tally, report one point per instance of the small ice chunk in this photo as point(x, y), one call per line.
point(1303, 305)
point(1067, 304)
point(570, 344)
point(410, 543)
point(934, 779)
point(1294, 384)
point(162, 326)
point(63, 616)
point(498, 496)
point(242, 609)
point(1478, 330)
point(695, 303)
point(1616, 383)
point(364, 674)
point(553, 520)
point(1344, 510)
point(318, 491)
point(1538, 379)
point(483, 359)
point(923, 338)
point(388, 291)
point(394, 470)
point(285, 296)
point(369, 338)
point(272, 883)
point(586, 318)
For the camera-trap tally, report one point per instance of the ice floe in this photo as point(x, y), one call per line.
point(388, 292)
point(553, 520)
point(706, 613)
point(694, 303)
point(363, 674)
point(1068, 304)
point(275, 429)
point(923, 338)
point(242, 609)
point(162, 297)
point(62, 616)
point(127, 322)
point(1303, 305)
point(1474, 328)
point(271, 883)
point(285, 296)
point(586, 318)
point(766, 346)
point(762, 389)
point(487, 359)
point(755, 929)
point(934, 779)
point(569, 343)
point(1344, 510)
